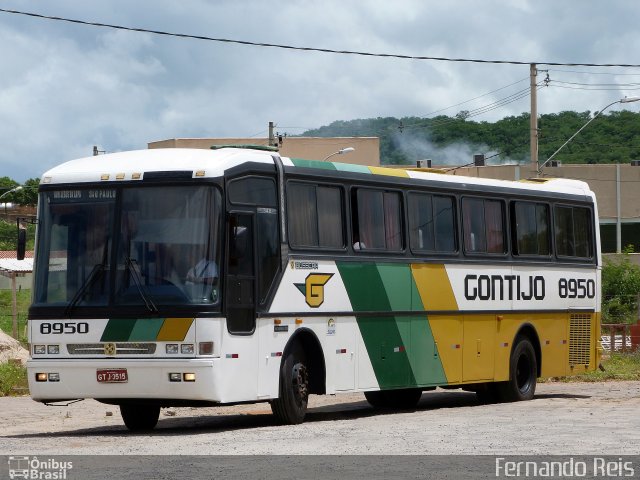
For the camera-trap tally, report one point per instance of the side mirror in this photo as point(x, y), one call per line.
point(22, 239)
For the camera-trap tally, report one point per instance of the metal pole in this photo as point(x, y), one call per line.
point(533, 121)
point(14, 305)
point(272, 139)
point(618, 212)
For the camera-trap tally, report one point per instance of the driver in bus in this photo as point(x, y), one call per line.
point(205, 271)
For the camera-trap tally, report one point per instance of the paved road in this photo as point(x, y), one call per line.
point(563, 419)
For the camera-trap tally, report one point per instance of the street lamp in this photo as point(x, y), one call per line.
point(622, 100)
point(14, 189)
point(339, 152)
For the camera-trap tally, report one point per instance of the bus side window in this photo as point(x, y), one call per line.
point(377, 220)
point(483, 225)
point(573, 230)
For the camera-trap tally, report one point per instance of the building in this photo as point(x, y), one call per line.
point(366, 149)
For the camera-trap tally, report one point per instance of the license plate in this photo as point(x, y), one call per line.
point(113, 375)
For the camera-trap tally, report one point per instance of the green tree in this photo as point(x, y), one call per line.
point(29, 193)
point(620, 289)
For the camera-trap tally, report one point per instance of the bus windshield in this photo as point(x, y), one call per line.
point(137, 247)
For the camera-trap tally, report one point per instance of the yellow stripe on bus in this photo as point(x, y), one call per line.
point(434, 287)
point(393, 172)
point(174, 329)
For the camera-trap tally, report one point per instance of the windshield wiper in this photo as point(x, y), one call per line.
point(146, 298)
point(97, 269)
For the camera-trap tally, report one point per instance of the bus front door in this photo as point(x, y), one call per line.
point(241, 278)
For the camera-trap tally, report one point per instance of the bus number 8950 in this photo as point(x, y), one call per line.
point(576, 288)
point(59, 328)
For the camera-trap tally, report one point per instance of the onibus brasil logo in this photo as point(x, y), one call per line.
point(313, 288)
point(34, 468)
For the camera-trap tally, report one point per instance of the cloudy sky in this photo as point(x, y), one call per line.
point(67, 87)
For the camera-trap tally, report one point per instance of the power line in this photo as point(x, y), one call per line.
point(594, 73)
point(597, 84)
point(312, 49)
point(478, 111)
point(475, 98)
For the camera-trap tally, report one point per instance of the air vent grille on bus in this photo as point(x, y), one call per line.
point(121, 348)
point(580, 339)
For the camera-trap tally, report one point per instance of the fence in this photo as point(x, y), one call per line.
point(618, 337)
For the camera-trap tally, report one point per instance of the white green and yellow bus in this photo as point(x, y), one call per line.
point(184, 277)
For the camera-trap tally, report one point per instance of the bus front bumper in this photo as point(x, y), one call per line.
point(185, 379)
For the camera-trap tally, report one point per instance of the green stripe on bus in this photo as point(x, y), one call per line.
point(402, 349)
point(381, 335)
point(298, 162)
point(117, 330)
point(349, 167)
point(146, 330)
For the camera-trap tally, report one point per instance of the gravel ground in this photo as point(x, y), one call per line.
point(563, 419)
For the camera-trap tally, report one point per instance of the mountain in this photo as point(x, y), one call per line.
point(611, 138)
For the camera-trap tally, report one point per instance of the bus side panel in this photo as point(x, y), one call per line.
point(447, 333)
point(238, 374)
point(479, 332)
point(401, 348)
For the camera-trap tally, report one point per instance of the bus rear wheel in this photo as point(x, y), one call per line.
point(290, 407)
point(523, 373)
point(405, 398)
point(140, 418)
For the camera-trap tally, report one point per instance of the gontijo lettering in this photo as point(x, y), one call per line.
point(504, 287)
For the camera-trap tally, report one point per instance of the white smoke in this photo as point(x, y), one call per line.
point(459, 153)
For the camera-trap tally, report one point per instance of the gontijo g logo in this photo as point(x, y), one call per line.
point(313, 288)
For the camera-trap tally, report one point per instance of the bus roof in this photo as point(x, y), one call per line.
point(132, 166)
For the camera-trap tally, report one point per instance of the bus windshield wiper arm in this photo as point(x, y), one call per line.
point(97, 269)
point(146, 298)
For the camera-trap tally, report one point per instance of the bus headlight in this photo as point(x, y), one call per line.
point(39, 349)
point(172, 348)
point(53, 349)
point(187, 348)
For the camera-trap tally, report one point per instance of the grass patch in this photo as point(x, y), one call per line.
point(6, 317)
point(617, 366)
point(13, 379)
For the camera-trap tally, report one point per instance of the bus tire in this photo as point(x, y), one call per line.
point(523, 373)
point(290, 407)
point(406, 398)
point(140, 418)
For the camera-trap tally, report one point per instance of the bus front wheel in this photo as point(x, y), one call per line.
point(523, 372)
point(290, 407)
point(139, 418)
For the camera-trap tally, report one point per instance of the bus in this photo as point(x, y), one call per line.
point(186, 277)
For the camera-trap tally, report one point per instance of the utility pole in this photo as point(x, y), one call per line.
point(533, 121)
point(272, 138)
